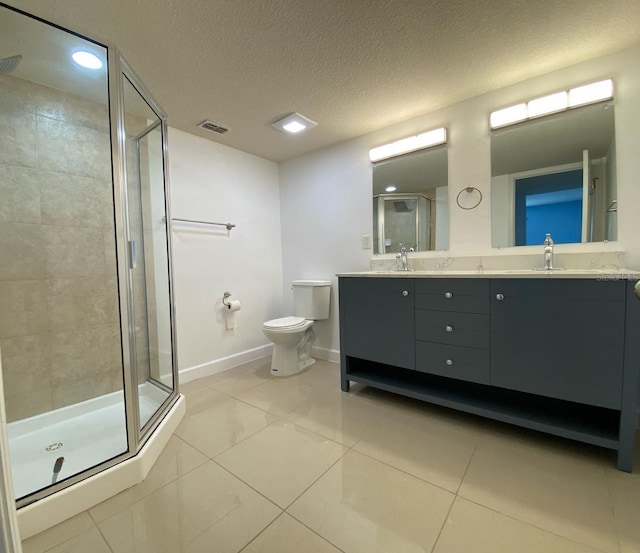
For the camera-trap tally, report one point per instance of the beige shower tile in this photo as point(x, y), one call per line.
point(24, 308)
point(81, 389)
point(221, 426)
point(106, 204)
point(20, 193)
point(28, 404)
point(471, 527)
point(80, 353)
point(73, 149)
point(68, 200)
point(205, 510)
point(281, 461)
point(361, 505)
point(70, 528)
point(177, 459)
point(62, 106)
point(21, 251)
point(26, 363)
point(72, 252)
point(18, 138)
point(109, 245)
point(17, 95)
point(82, 302)
point(287, 535)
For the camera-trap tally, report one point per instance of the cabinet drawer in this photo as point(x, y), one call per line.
point(455, 286)
point(458, 362)
point(457, 329)
point(455, 303)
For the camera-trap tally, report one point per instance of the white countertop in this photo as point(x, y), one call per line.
point(598, 274)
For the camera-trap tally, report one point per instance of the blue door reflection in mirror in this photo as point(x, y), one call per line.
point(573, 140)
point(549, 203)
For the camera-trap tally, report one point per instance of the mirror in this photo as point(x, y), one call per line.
point(416, 213)
point(557, 175)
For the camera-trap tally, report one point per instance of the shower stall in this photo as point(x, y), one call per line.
point(87, 338)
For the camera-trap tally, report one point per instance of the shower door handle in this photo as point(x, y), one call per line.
point(133, 255)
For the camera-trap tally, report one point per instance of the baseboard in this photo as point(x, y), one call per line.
point(224, 363)
point(326, 354)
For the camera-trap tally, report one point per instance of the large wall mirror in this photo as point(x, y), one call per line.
point(410, 202)
point(555, 175)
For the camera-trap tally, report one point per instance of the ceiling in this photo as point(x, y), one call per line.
point(353, 66)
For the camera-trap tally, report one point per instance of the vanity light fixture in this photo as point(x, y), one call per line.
point(294, 123)
point(552, 103)
point(390, 188)
point(87, 59)
point(409, 144)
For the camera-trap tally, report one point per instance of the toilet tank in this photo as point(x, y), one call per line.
point(311, 299)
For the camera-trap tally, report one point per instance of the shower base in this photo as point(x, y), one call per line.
point(85, 434)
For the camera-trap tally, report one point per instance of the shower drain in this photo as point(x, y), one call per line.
point(53, 447)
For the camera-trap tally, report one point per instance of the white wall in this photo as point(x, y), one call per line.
point(326, 195)
point(212, 182)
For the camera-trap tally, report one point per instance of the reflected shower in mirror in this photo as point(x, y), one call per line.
point(555, 174)
point(410, 202)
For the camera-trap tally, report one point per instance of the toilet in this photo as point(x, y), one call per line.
point(293, 336)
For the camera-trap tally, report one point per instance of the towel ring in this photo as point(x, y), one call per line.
point(469, 189)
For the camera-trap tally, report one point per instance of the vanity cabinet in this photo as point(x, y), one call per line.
point(559, 355)
point(379, 320)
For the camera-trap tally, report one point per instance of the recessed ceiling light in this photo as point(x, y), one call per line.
point(87, 59)
point(294, 123)
point(390, 188)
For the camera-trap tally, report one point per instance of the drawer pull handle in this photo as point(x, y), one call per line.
point(448, 328)
point(636, 289)
point(499, 297)
point(405, 293)
point(448, 295)
point(449, 362)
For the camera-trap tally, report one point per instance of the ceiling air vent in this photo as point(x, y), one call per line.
point(214, 127)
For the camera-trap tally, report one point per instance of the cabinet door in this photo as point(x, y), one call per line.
point(377, 318)
point(559, 338)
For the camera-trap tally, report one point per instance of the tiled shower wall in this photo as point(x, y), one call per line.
point(59, 323)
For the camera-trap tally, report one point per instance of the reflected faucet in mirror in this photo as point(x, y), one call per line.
point(401, 257)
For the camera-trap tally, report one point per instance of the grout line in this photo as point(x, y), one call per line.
point(261, 532)
point(316, 533)
point(467, 469)
point(545, 530)
point(444, 522)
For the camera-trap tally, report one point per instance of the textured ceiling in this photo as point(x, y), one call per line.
point(353, 66)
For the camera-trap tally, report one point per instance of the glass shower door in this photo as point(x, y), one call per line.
point(148, 248)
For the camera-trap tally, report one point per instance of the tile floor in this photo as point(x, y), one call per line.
point(296, 466)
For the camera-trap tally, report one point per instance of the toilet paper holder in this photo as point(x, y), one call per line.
point(225, 298)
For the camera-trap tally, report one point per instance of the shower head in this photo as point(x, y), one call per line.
point(401, 206)
point(8, 65)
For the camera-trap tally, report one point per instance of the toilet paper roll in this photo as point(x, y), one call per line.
point(233, 305)
point(230, 321)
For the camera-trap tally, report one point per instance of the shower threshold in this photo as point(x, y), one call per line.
point(85, 435)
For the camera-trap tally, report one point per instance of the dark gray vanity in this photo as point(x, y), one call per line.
point(558, 355)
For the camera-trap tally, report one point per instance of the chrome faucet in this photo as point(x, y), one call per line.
point(402, 257)
point(548, 252)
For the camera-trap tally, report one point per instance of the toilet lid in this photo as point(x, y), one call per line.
point(285, 322)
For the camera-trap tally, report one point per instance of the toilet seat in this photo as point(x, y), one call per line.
point(286, 323)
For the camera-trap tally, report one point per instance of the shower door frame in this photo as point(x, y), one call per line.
point(136, 437)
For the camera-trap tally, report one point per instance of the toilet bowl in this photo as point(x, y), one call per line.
point(293, 336)
point(292, 339)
